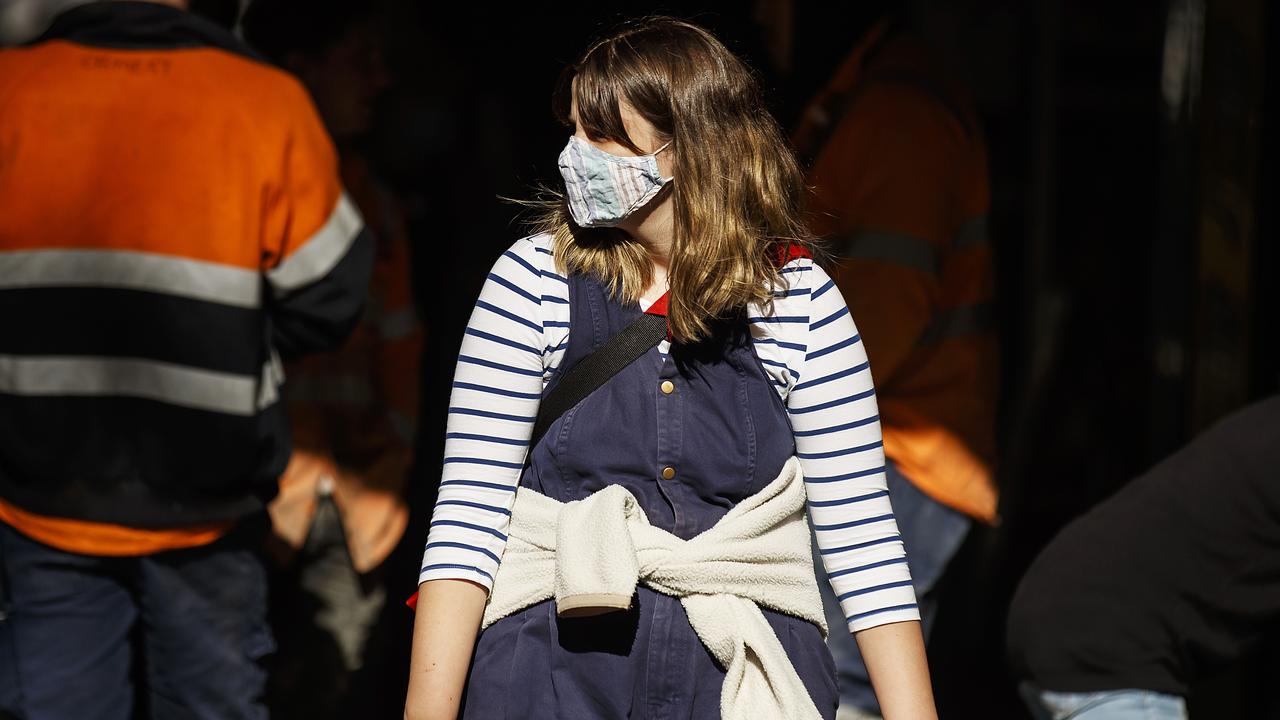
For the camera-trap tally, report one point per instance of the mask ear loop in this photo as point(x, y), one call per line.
point(654, 155)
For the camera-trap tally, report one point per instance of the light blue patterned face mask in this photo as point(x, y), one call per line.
point(603, 189)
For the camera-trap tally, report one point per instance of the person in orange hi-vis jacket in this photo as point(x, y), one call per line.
point(899, 175)
point(172, 226)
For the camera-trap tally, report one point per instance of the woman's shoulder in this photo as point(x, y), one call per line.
point(798, 269)
point(804, 294)
point(534, 249)
point(800, 276)
point(530, 255)
point(540, 243)
point(525, 273)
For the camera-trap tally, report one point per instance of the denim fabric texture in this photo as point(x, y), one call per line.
point(79, 630)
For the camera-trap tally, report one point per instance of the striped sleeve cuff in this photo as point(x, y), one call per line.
point(455, 571)
point(881, 595)
point(903, 612)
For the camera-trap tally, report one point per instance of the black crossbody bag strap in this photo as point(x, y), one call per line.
point(595, 370)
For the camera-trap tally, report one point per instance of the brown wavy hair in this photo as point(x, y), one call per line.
point(737, 188)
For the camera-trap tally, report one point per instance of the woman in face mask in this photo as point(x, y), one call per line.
point(644, 551)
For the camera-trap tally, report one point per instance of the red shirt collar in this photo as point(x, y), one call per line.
point(659, 306)
point(787, 253)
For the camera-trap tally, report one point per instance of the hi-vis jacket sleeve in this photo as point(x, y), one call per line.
point(889, 177)
point(317, 253)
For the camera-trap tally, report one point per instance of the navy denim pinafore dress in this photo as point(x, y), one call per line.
point(720, 433)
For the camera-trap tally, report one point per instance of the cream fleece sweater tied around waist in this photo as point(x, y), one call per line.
point(590, 554)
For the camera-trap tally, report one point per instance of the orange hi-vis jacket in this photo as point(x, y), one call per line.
point(899, 173)
point(354, 410)
point(171, 224)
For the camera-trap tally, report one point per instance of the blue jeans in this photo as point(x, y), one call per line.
point(70, 625)
point(1104, 705)
point(931, 533)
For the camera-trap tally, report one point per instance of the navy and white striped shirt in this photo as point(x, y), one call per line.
point(811, 352)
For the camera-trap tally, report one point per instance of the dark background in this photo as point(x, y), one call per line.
point(1133, 162)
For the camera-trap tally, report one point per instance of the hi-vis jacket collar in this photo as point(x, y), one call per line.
point(141, 26)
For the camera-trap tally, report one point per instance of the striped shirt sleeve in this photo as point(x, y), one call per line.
point(507, 354)
point(833, 412)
